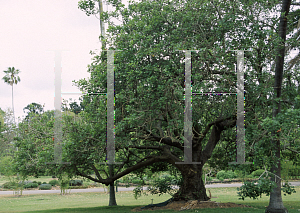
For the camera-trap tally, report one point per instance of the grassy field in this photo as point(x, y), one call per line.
point(97, 202)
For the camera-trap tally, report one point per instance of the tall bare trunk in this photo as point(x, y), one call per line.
point(276, 204)
point(12, 101)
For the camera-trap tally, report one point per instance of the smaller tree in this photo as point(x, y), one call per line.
point(33, 108)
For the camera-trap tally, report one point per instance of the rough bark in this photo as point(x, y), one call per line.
point(276, 204)
point(193, 187)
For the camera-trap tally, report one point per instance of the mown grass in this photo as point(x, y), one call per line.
point(98, 202)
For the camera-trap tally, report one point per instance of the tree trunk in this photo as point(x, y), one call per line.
point(12, 101)
point(193, 187)
point(276, 204)
point(112, 196)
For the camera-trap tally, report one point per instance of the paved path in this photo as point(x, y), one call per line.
point(30, 192)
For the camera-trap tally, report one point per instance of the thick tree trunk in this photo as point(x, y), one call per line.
point(276, 204)
point(193, 187)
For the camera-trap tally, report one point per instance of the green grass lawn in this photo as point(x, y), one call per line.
point(98, 202)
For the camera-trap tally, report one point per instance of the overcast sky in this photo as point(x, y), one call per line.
point(29, 30)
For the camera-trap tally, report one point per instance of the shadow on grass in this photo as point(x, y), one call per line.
point(127, 209)
point(102, 209)
point(293, 207)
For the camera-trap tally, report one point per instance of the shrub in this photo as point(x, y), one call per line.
point(45, 187)
point(44, 183)
point(231, 174)
point(34, 181)
point(257, 173)
point(136, 181)
point(9, 185)
point(53, 176)
point(30, 185)
point(54, 182)
point(75, 182)
point(39, 182)
point(249, 176)
point(25, 182)
point(294, 171)
point(145, 178)
point(160, 186)
point(209, 178)
point(78, 187)
point(256, 189)
point(221, 175)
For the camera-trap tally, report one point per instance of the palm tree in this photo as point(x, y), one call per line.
point(11, 77)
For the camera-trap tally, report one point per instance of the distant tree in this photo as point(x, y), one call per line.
point(33, 108)
point(2, 113)
point(72, 106)
point(7, 128)
point(75, 107)
point(11, 77)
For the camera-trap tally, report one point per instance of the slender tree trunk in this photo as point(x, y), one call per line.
point(112, 196)
point(12, 101)
point(276, 204)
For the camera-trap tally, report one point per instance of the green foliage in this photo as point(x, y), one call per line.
point(7, 166)
point(287, 189)
point(31, 185)
point(33, 109)
point(164, 184)
point(257, 173)
point(76, 182)
point(88, 6)
point(2, 114)
point(54, 182)
point(64, 182)
point(10, 185)
point(255, 189)
point(45, 187)
point(221, 175)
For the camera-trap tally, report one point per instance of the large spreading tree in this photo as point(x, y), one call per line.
point(149, 92)
point(149, 86)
